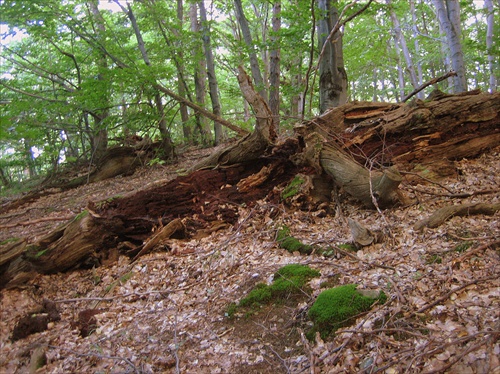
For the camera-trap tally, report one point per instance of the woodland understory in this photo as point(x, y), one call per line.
point(166, 312)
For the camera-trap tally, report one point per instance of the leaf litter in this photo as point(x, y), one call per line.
point(166, 312)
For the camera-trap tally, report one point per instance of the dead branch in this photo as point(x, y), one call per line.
point(201, 110)
point(28, 223)
point(432, 81)
point(470, 252)
point(451, 292)
point(447, 212)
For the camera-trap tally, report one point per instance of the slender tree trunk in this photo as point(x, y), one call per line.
point(274, 68)
point(332, 75)
point(186, 130)
point(212, 78)
point(490, 20)
point(167, 144)
point(200, 76)
point(417, 45)
point(399, 88)
point(4, 177)
point(400, 39)
point(448, 13)
point(100, 136)
point(247, 37)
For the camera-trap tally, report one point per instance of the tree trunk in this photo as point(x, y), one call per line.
point(253, 145)
point(167, 145)
point(212, 78)
point(186, 129)
point(247, 37)
point(401, 135)
point(200, 76)
point(448, 13)
point(490, 20)
point(400, 38)
point(418, 134)
point(100, 133)
point(332, 75)
point(274, 69)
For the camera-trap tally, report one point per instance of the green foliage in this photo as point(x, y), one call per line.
point(63, 79)
point(289, 280)
point(336, 307)
point(290, 243)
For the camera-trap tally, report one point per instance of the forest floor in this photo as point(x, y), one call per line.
point(167, 312)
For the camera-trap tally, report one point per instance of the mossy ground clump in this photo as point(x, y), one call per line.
point(290, 243)
point(288, 281)
point(336, 307)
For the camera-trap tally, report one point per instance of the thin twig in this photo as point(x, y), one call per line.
point(432, 81)
point(116, 358)
point(451, 292)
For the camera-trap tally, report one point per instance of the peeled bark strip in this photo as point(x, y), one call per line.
point(447, 212)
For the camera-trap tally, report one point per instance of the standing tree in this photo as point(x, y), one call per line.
point(274, 68)
point(400, 39)
point(332, 75)
point(448, 13)
point(247, 37)
point(100, 139)
point(212, 78)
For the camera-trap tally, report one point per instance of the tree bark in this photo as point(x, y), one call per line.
point(200, 76)
point(490, 20)
point(247, 37)
point(212, 78)
point(100, 134)
point(274, 69)
point(448, 13)
point(181, 89)
point(332, 74)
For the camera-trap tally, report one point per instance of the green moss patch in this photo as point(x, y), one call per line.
point(290, 243)
point(337, 307)
point(293, 188)
point(288, 281)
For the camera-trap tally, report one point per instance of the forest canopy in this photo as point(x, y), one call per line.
point(78, 77)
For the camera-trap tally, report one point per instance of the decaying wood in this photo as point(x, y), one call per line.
point(361, 235)
point(253, 145)
point(164, 233)
point(357, 146)
point(447, 212)
point(417, 133)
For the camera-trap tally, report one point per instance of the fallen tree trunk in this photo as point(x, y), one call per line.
point(378, 134)
point(420, 132)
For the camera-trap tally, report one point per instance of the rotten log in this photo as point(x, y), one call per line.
point(420, 133)
point(400, 133)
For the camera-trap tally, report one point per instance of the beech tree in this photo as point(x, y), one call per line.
point(448, 14)
point(332, 74)
point(88, 86)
